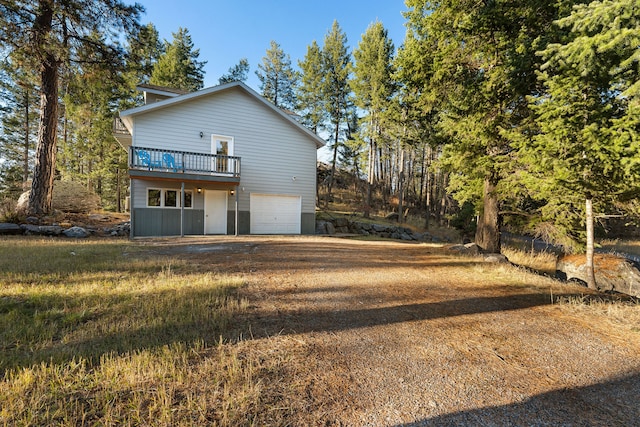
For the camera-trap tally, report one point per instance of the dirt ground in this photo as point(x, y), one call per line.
point(365, 333)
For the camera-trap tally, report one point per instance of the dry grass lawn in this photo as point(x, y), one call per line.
point(326, 331)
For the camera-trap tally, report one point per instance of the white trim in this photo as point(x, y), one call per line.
point(162, 198)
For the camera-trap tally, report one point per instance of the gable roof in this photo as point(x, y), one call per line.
point(128, 114)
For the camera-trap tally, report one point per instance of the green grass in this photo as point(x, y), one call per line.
point(94, 332)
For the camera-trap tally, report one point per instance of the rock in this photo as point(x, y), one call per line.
point(405, 236)
point(41, 230)
point(495, 258)
point(468, 249)
point(613, 273)
point(30, 229)
point(76, 232)
point(379, 228)
point(321, 227)
point(32, 220)
point(9, 228)
point(23, 202)
point(99, 217)
point(331, 229)
point(50, 230)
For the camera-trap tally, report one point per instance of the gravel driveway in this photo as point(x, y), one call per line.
point(365, 333)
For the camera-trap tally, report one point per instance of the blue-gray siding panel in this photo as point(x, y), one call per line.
point(166, 222)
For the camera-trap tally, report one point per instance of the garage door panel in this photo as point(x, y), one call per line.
point(275, 214)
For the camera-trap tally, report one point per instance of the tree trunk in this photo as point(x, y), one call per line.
point(401, 187)
point(590, 273)
point(333, 166)
point(43, 173)
point(25, 154)
point(488, 231)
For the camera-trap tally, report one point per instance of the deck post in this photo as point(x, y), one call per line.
point(236, 212)
point(182, 210)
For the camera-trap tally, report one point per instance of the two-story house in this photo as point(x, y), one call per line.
point(222, 160)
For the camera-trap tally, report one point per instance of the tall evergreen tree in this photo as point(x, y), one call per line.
point(18, 126)
point(481, 63)
point(336, 91)
point(143, 52)
point(179, 67)
point(311, 101)
point(237, 73)
point(51, 33)
point(373, 86)
point(584, 151)
point(278, 80)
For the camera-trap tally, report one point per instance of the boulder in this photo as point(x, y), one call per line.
point(76, 232)
point(331, 229)
point(9, 228)
point(495, 258)
point(321, 227)
point(613, 273)
point(42, 230)
point(23, 202)
point(468, 249)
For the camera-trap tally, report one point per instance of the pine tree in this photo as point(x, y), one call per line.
point(51, 33)
point(336, 91)
point(373, 86)
point(310, 95)
point(18, 126)
point(179, 67)
point(480, 60)
point(144, 50)
point(584, 150)
point(237, 73)
point(278, 80)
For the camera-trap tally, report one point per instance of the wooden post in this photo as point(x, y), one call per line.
point(591, 276)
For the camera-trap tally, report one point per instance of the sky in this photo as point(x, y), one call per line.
point(227, 30)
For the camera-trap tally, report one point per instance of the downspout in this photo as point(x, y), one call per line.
point(182, 210)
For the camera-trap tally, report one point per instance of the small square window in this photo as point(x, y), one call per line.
point(170, 198)
point(153, 197)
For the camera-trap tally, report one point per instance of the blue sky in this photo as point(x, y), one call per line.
point(226, 31)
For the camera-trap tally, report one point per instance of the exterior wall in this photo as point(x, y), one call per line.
point(149, 222)
point(276, 157)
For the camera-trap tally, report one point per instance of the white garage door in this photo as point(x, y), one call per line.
point(275, 214)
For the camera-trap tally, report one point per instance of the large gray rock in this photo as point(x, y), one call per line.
point(9, 228)
point(613, 273)
point(321, 227)
point(23, 202)
point(42, 230)
point(468, 249)
point(76, 232)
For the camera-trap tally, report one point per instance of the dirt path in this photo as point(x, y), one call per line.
point(390, 334)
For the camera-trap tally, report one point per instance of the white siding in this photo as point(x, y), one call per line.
point(272, 150)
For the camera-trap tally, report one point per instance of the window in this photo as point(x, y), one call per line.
point(168, 198)
point(153, 197)
point(188, 199)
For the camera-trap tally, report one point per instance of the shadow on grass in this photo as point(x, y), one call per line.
point(57, 328)
point(264, 324)
point(610, 403)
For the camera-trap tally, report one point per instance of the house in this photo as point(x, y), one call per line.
point(222, 160)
